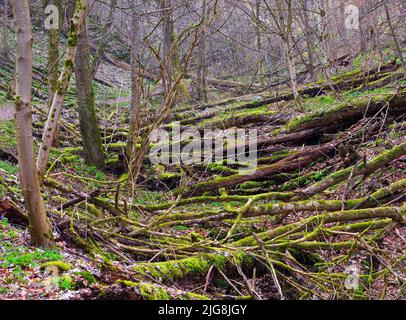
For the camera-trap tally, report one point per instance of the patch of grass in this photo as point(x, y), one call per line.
point(6, 232)
point(85, 275)
point(320, 102)
point(82, 168)
point(9, 167)
point(181, 228)
point(355, 99)
point(106, 93)
point(7, 134)
point(22, 257)
point(64, 282)
point(367, 93)
point(3, 290)
point(359, 60)
point(146, 197)
point(346, 74)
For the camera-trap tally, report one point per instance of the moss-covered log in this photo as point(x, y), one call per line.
point(327, 205)
point(283, 208)
point(193, 266)
point(364, 168)
point(395, 213)
point(345, 113)
point(294, 162)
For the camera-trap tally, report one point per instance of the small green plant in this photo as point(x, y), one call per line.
point(9, 167)
point(65, 282)
point(358, 61)
point(85, 275)
point(4, 223)
point(7, 134)
point(181, 228)
point(3, 290)
point(22, 257)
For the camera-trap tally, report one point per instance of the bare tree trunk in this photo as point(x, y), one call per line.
point(11, 89)
point(325, 38)
point(402, 18)
point(63, 82)
point(259, 42)
point(395, 39)
point(284, 21)
point(287, 48)
point(54, 38)
point(202, 69)
point(89, 124)
point(105, 39)
point(135, 123)
point(167, 29)
point(309, 40)
point(6, 47)
point(362, 30)
point(40, 230)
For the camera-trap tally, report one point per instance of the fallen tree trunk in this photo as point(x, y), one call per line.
point(283, 208)
point(347, 114)
point(288, 164)
point(395, 213)
point(341, 83)
point(364, 168)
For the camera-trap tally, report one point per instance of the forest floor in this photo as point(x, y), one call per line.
point(324, 210)
point(7, 112)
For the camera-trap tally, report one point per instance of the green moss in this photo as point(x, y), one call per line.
point(243, 259)
point(8, 167)
point(304, 180)
point(228, 117)
point(73, 37)
point(169, 176)
point(147, 291)
point(65, 282)
point(68, 64)
point(318, 103)
point(181, 268)
point(126, 283)
point(359, 60)
point(363, 99)
point(347, 74)
point(63, 266)
point(87, 276)
point(252, 185)
point(3, 290)
point(194, 296)
point(152, 292)
point(22, 257)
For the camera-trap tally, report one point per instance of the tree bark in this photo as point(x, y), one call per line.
point(135, 123)
point(286, 43)
point(285, 31)
point(365, 168)
point(89, 125)
point(286, 165)
point(309, 40)
point(54, 38)
point(395, 39)
point(202, 69)
point(6, 47)
point(39, 225)
point(167, 30)
point(259, 40)
point(105, 39)
point(62, 86)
